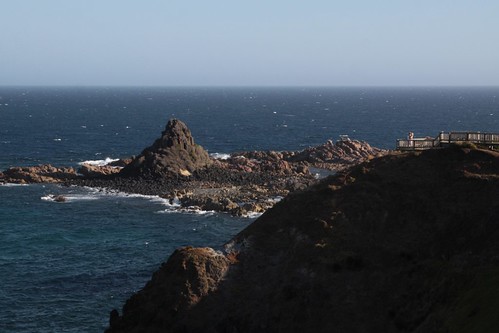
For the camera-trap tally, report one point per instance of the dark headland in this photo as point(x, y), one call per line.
point(400, 243)
point(393, 242)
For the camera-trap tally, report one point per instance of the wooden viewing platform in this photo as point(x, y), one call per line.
point(490, 140)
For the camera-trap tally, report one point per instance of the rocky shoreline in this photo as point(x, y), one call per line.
point(176, 168)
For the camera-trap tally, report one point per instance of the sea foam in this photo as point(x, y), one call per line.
point(12, 184)
point(220, 156)
point(104, 162)
point(252, 215)
point(68, 198)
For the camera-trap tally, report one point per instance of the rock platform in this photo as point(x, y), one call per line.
point(175, 167)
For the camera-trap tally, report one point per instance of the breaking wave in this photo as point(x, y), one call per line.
point(103, 162)
point(220, 156)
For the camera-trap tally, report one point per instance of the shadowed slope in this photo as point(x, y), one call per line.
point(404, 243)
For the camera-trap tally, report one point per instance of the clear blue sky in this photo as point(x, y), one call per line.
point(271, 42)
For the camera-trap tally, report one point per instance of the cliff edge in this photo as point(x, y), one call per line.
point(403, 243)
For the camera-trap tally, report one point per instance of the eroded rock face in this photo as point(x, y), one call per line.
point(337, 155)
point(331, 156)
point(189, 275)
point(96, 171)
point(404, 243)
point(37, 174)
point(174, 153)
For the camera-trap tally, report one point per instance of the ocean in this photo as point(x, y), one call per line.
point(64, 267)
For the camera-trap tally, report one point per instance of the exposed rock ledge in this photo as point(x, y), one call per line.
point(175, 167)
point(404, 243)
point(37, 174)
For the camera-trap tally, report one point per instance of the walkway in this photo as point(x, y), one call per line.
point(444, 139)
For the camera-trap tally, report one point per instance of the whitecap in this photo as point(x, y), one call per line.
point(166, 211)
point(187, 210)
point(220, 156)
point(49, 197)
point(99, 192)
point(104, 162)
point(252, 215)
point(12, 184)
point(80, 197)
point(198, 211)
point(68, 198)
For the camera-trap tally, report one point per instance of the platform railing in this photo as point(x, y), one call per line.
point(444, 138)
point(415, 144)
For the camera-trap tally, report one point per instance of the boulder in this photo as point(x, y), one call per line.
point(194, 272)
point(60, 198)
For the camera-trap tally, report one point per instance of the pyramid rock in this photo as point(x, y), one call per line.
point(174, 153)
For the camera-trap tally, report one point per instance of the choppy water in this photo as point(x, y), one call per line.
point(63, 267)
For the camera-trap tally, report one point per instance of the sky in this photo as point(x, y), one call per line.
point(249, 43)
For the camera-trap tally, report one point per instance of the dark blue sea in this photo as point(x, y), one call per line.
point(64, 267)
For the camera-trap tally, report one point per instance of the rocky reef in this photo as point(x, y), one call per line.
point(45, 173)
point(175, 167)
point(400, 243)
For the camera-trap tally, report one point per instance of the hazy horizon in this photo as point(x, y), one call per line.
point(259, 44)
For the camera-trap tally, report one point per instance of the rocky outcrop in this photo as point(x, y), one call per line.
point(339, 155)
point(37, 174)
point(401, 243)
point(193, 273)
point(262, 161)
point(236, 200)
point(330, 156)
point(89, 170)
point(174, 153)
point(245, 183)
point(98, 171)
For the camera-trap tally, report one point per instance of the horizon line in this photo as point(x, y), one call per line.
point(243, 86)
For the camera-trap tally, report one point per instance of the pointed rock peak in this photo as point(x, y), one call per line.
point(174, 153)
point(175, 133)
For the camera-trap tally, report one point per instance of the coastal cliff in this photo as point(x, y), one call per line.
point(401, 243)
